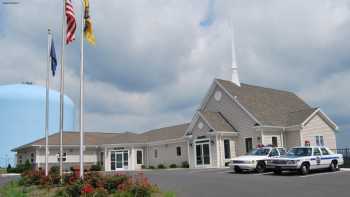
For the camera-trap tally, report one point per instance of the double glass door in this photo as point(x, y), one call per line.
point(202, 154)
point(119, 160)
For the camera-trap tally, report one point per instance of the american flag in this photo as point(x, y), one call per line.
point(71, 23)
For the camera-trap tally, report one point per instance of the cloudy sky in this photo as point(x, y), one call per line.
point(154, 59)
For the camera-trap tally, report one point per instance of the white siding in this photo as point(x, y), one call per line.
point(237, 117)
point(292, 138)
point(267, 137)
point(318, 127)
point(167, 154)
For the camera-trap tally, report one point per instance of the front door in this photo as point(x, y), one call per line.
point(119, 160)
point(202, 154)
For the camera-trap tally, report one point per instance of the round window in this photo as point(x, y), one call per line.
point(200, 125)
point(218, 95)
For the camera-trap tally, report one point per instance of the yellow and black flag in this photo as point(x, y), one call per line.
point(88, 31)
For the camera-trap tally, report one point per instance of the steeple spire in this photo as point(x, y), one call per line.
point(235, 77)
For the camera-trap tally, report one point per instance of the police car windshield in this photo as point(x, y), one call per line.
point(299, 152)
point(259, 151)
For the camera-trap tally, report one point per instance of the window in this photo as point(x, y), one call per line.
point(64, 156)
point(319, 141)
point(178, 151)
point(273, 153)
point(227, 149)
point(317, 152)
point(20, 161)
point(324, 151)
point(20, 157)
point(126, 158)
point(156, 153)
point(248, 144)
point(139, 157)
point(101, 158)
point(274, 141)
point(282, 151)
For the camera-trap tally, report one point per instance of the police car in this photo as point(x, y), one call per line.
point(305, 159)
point(256, 159)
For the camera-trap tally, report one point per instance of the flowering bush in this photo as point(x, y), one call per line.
point(87, 189)
point(94, 184)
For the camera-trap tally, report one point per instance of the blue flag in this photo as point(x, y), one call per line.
point(53, 58)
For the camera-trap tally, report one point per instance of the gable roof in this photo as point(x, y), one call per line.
point(269, 106)
point(217, 121)
point(72, 138)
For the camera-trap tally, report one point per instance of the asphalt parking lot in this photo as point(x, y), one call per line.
point(222, 182)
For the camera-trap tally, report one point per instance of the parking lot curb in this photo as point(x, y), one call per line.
point(345, 169)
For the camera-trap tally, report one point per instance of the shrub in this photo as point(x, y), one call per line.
point(12, 189)
point(32, 177)
point(161, 166)
point(142, 187)
point(74, 189)
point(54, 175)
point(173, 166)
point(27, 166)
point(185, 164)
point(97, 167)
point(112, 182)
point(143, 166)
point(100, 192)
point(87, 189)
point(151, 167)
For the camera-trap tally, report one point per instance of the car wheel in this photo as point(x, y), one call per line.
point(333, 167)
point(279, 172)
point(304, 169)
point(237, 169)
point(260, 167)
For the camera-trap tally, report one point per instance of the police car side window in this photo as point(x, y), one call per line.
point(317, 152)
point(282, 151)
point(273, 152)
point(324, 151)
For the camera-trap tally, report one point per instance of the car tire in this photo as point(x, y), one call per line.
point(237, 169)
point(304, 169)
point(260, 167)
point(333, 166)
point(279, 172)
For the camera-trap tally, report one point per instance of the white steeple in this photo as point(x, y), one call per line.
point(235, 77)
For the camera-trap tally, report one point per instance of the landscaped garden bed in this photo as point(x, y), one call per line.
point(95, 184)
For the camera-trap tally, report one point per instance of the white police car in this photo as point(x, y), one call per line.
point(256, 159)
point(304, 159)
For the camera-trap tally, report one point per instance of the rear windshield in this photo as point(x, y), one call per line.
point(300, 152)
point(260, 151)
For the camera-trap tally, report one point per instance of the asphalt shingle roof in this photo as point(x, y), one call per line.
point(269, 106)
point(100, 138)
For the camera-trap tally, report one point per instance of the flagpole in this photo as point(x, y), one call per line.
point(62, 91)
point(82, 93)
point(47, 103)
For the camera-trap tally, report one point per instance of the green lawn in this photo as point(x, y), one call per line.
point(2, 170)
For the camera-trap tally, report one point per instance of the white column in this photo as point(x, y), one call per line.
point(106, 159)
point(188, 152)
